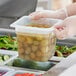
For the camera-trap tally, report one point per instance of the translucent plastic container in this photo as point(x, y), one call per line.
point(6, 56)
point(36, 39)
point(4, 71)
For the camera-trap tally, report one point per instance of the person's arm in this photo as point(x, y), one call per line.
point(69, 10)
point(58, 14)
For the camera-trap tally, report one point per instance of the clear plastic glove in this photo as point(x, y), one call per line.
point(66, 29)
point(59, 14)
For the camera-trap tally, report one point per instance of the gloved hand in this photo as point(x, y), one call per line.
point(63, 30)
point(58, 14)
point(67, 28)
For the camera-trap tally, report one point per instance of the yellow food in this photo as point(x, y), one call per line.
point(29, 40)
point(27, 57)
point(38, 53)
point(36, 42)
point(39, 25)
point(32, 55)
point(37, 47)
point(27, 50)
point(34, 48)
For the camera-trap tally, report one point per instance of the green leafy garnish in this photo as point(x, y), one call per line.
point(8, 43)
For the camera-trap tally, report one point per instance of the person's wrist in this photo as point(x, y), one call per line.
point(66, 12)
point(62, 13)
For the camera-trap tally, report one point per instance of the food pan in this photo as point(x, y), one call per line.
point(6, 56)
point(5, 71)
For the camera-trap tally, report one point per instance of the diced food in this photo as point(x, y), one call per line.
point(4, 58)
point(8, 43)
point(36, 47)
point(27, 74)
point(64, 51)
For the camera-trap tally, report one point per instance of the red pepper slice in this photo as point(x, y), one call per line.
point(18, 74)
point(25, 74)
point(32, 74)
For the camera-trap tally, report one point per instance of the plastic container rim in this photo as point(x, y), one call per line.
point(36, 29)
